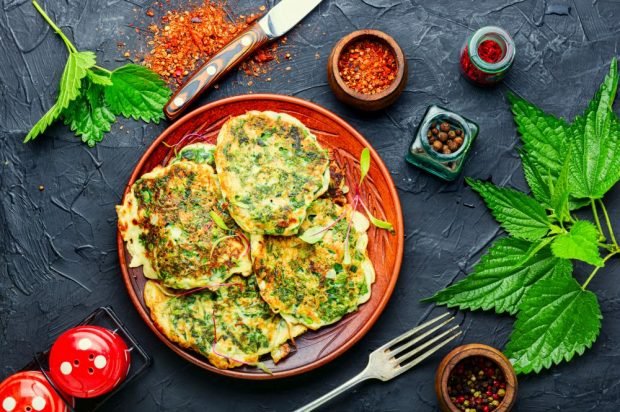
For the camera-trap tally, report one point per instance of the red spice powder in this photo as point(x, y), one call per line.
point(368, 66)
point(490, 51)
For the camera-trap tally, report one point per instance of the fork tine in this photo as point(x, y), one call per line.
point(425, 345)
point(412, 331)
point(425, 355)
point(419, 338)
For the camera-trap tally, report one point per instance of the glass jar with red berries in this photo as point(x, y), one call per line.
point(487, 55)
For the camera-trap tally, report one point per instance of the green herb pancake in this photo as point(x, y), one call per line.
point(176, 226)
point(231, 327)
point(271, 168)
point(197, 153)
point(316, 284)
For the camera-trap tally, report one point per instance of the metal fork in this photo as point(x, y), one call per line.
point(395, 357)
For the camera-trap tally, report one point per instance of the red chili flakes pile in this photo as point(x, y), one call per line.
point(184, 39)
point(368, 66)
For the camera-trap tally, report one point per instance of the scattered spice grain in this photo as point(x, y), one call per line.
point(368, 66)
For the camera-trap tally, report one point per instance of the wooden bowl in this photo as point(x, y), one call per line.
point(475, 349)
point(314, 348)
point(366, 102)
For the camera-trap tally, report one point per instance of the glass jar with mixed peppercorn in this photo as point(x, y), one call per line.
point(442, 142)
point(487, 55)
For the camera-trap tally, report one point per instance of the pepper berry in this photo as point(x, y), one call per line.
point(445, 138)
point(474, 385)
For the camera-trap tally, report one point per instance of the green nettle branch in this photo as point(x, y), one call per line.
point(612, 247)
point(530, 273)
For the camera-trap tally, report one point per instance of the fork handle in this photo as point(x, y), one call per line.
point(362, 376)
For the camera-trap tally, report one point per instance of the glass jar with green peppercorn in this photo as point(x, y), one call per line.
point(441, 142)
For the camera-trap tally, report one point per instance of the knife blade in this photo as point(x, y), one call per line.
point(277, 22)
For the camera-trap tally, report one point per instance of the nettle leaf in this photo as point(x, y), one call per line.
point(522, 216)
point(501, 278)
point(88, 115)
point(75, 70)
point(560, 191)
point(137, 92)
point(595, 143)
point(538, 183)
point(580, 243)
point(544, 136)
point(99, 78)
point(557, 319)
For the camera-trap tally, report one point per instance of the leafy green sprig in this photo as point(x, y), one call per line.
point(567, 167)
point(314, 234)
point(90, 97)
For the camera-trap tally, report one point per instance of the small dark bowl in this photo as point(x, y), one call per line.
point(475, 349)
point(366, 102)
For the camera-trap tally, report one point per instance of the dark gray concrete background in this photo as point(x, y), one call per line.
point(59, 260)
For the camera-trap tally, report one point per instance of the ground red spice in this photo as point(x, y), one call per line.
point(368, 66)
point(184, 39)
point(490, 51)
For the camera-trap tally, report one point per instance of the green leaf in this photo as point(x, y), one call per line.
point(560, 193)
point(556, 320)
point(503, 276)
point(75, 70)
point(544, 136)
point(314, 234)
point(595, 143)
point(580, 243)
point(100, 79)
point(522, 216)
point(382, 224)
point(537, 183)
point(218, 220)
point(88, 116)
point(364, 163)
point(137, 92)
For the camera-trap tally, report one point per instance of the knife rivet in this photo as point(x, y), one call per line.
point(178, 101)
point(211, 70)
point(246, 40)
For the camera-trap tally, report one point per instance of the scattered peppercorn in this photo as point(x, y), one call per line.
point(449, 139)
point(368, 66)
point(476, 384)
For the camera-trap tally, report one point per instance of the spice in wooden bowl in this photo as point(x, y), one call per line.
point(368, 66)
point(476, 378)
point(367, 69)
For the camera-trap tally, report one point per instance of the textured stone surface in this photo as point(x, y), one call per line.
point(59, 261)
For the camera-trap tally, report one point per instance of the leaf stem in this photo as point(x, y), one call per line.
point(103, 69)
point(53, 25)
point(596, 269)
point(609, 227)
point(598, 222)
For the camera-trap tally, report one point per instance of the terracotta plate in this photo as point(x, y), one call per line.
point(385, 249)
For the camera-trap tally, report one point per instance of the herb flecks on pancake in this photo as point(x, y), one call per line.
point(168, 223)
point(271, 168)
point(307, 283)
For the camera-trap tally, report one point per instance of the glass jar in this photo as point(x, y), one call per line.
point(423, 155)
point(487, 55)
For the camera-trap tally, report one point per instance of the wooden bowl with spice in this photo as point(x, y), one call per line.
point(367, 69)
point(476, 378)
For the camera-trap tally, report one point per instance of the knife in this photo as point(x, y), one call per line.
point(280, 19)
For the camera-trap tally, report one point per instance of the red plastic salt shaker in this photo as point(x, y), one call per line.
point(487, 55)
point(30, 391)
point(88, 361)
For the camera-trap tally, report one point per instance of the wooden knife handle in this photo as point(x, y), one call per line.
point(210, 72)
